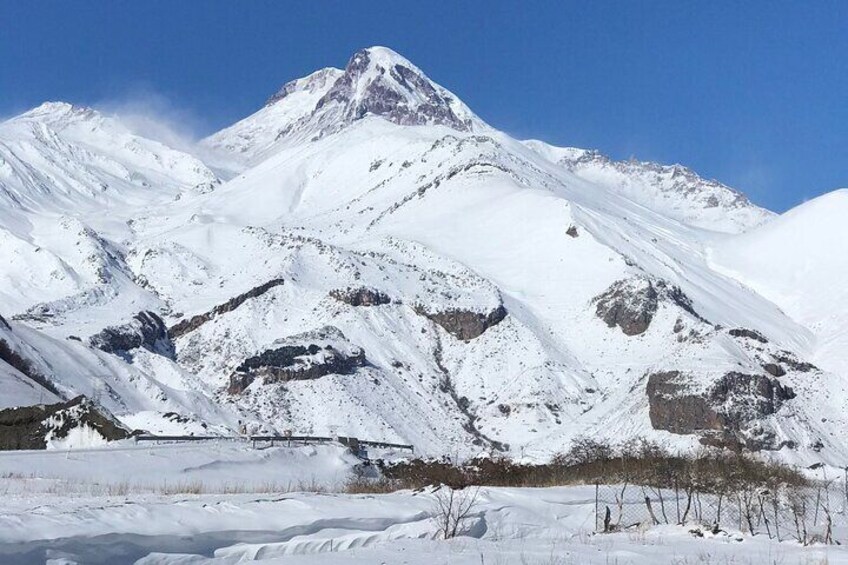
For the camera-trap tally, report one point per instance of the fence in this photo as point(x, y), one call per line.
point(806, 514)
point(273, 440)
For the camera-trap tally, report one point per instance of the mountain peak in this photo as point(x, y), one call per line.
point(53, 111)
point(378, 81)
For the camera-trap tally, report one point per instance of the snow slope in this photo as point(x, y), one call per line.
point(506, 525)
point(797, 262)
point(388, 266)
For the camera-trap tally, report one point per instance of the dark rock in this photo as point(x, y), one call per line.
point(146, 330)
point(628, 304)
point(5, 324)
point(631, 304)
point(723, 414)
point(29, 427)
point(185, 326)
point(295, 363)
point(572, 231)
point(672, 409)
point(465, 324)
point(408, 99)
point(750, 334)
point(793, 363)
point(360, 296)
point(774, 369)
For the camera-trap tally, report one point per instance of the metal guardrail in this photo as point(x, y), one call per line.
point(272, 439)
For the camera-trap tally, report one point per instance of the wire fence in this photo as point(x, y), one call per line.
point(806, 514)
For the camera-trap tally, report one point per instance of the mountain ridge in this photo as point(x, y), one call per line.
point(444, 284)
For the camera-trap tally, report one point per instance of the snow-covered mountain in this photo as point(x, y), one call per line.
point(386, 265)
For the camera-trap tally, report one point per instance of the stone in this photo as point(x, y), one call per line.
point(189, 325)
point(361, 296)
point(146, 330)
point(465, 324)
point(29, 427)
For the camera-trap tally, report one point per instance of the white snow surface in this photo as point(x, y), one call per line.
point(228, 503)
point(393, 185)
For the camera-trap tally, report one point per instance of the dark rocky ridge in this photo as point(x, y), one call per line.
point(29, 426)
point(4, 323)
point(146, 330)
point(289, 363)
point(465, 324)
point(189, 325)
point(631, 304)
point(750, 334)
point(408, 99)
point(722, 413)
point(361, 296)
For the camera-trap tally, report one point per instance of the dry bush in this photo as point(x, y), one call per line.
point(452, 509)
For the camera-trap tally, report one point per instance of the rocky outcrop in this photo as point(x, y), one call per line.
point(379, 82)
point(794, 363)
point(749, 334)
point(361, 296)
point(146, 330)
point(299, 361)
point(32, 427)
point(464, 324)
point(189, 325)
point(725, 413)
point(632, 303)
point(774, 369)
point(4, 323)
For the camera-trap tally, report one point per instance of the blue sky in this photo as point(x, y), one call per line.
point(754, 94)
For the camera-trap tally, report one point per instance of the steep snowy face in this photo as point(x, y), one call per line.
point(255, 137)
point(675, 190)
point(316, 83)
point(386, 266)
point(376, 82)
point(798, 262)
point(59, 156)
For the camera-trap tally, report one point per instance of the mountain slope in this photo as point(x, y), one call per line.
point(386, 265)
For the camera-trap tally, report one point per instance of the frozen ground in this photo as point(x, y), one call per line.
point(227, 503)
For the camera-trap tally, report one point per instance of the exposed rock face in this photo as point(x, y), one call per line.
point(794, 363)
point(726, 413)
point(146, 330)
point(4, 323)
point(672, 409)
point(628, 304)
point(631, 304)
point(379, 82)
point(360, 296)
point(31, 427)
point(465, 324)
point(750, 334)
point(774, 369)
point(297, 362)
point(189, 325)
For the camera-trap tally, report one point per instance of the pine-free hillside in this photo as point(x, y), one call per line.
point(365, 256)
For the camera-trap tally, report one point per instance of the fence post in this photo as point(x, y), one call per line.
point(597, 486)
point(677, 499)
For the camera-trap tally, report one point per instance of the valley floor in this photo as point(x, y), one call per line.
point(227, 503)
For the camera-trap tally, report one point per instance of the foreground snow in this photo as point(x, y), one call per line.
point(142, 505)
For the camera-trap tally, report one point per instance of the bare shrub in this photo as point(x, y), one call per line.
point(452, 509)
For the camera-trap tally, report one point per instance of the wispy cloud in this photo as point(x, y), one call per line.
point(154, 115)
